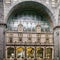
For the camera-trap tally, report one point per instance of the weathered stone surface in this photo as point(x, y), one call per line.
point(4, 10)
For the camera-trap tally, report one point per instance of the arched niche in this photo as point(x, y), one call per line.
point(31, 9)
point(10, 52)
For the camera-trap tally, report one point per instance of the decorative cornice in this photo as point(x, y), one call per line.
point(56, 27)
point(3, 24)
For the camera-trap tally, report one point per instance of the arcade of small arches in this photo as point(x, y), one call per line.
point(29, 52)
point(29, 34)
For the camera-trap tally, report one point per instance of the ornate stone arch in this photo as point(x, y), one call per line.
point(34, 5)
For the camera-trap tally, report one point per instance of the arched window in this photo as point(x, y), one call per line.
point(48, 53)
point(39, 52)
point(20, 52)
point(10, 52)
point(29, 20)
point(30, 52)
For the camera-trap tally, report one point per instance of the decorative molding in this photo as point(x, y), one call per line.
point(3, 24)
point(56, 27)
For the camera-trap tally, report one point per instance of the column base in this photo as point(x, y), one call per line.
point(15, 59)
point(25, 59)
point(35, 59)
point(45, 59)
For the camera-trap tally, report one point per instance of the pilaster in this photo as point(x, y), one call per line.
point(2, 41)
point(57, 42)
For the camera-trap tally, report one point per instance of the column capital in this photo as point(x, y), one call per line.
point(56, 27)
point(3, 24)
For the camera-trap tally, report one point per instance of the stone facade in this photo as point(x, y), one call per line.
point(53, 8)
point(27, 40)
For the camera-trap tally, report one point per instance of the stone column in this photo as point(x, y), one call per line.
point(43, 53)
point(35, 54)
point(25, 53)
point(6, 53)
point(53, 53)
point(2, 42)
point(57, 42)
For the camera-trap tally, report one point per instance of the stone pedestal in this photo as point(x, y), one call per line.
point(15, 59)
point(35, 59)
point(25, 59)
